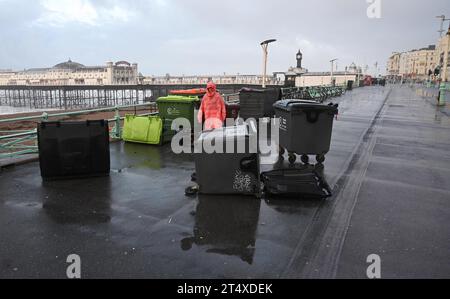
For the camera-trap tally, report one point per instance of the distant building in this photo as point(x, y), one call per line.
point(442, 56)
point(300, 77)
point(294, 72)
point(73, 73)
point(352, 73)
point(393, 65)
point(204, 79)
point(414, 64)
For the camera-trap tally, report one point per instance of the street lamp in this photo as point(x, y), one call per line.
point(265, 46)
point(332, 69)
point(443, 20)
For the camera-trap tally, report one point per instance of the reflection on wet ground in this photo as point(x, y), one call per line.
point(78, 207)
point(225, 225)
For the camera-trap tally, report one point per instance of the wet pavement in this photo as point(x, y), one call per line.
point(389, 167)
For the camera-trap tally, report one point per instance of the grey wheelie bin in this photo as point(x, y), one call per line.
point(233, 167)
point(305, 128)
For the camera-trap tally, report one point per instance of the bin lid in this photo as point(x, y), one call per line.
point(254, 90)
point(189, 92)
point(300, 105)
point(177, 99)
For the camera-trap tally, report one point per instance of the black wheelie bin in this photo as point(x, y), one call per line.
point(73, 149)
point(305, 128)
point(258, 103)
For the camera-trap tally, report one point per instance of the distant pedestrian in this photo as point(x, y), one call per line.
point(212, 110)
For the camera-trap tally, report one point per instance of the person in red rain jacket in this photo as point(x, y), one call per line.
point(212, 109)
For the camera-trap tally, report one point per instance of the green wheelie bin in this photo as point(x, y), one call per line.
point(173, 107)
point(142, 129)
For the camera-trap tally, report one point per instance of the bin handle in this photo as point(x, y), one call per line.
point(296, 101)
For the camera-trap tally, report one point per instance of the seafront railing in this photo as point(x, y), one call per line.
point(22, 142)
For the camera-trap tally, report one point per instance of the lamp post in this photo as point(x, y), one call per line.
point(265, 47)
point(332, 69)
point(443, 20)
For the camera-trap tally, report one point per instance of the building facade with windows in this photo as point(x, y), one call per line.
point(204, 79)
point(351, 73)
point(73, 73)
point(442, 56)
point(414, 64)
point(393, 65)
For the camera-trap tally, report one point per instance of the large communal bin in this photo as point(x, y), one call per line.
point(142, 129)
point(73, 149)
point(173, 107)
point(305, 128)
point(258, 103)
point(235, 168)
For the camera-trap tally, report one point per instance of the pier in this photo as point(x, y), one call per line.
point(70, 97)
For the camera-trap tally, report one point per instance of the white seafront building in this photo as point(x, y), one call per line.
point(73, 73)
point(204, 79)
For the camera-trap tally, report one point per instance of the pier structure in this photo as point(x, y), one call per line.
point(66, 97)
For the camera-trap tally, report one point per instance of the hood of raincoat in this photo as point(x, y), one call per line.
point(211, 89)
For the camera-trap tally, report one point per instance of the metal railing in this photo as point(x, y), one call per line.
point(315, 93)
point(18, 142)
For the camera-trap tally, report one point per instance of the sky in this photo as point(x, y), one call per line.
point(193, 37)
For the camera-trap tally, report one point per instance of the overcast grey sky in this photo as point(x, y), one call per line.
point(211, 37)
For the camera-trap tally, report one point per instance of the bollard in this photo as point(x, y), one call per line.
point(442, 94)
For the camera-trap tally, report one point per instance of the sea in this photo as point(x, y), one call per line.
point(4, 110)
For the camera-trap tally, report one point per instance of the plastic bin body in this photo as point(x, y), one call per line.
point(305, 127)
point(233, 110)
point(350, 85)
point(258, 103)
point(296, 182)
point(73, 149)
point(173, 107)
point(228, 173)
point(142, 129)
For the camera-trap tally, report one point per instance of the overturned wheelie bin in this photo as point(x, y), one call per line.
point(305, 128)
point(143, 129)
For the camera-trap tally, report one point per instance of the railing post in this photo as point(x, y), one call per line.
point(44, 116)
point(117, 132)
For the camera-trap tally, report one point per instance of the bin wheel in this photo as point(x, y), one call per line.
point(292, 158)
point(191, 191)
point(320, 158)
point(305, 159)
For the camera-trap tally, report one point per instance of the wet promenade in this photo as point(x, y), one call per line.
point(389, 167)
